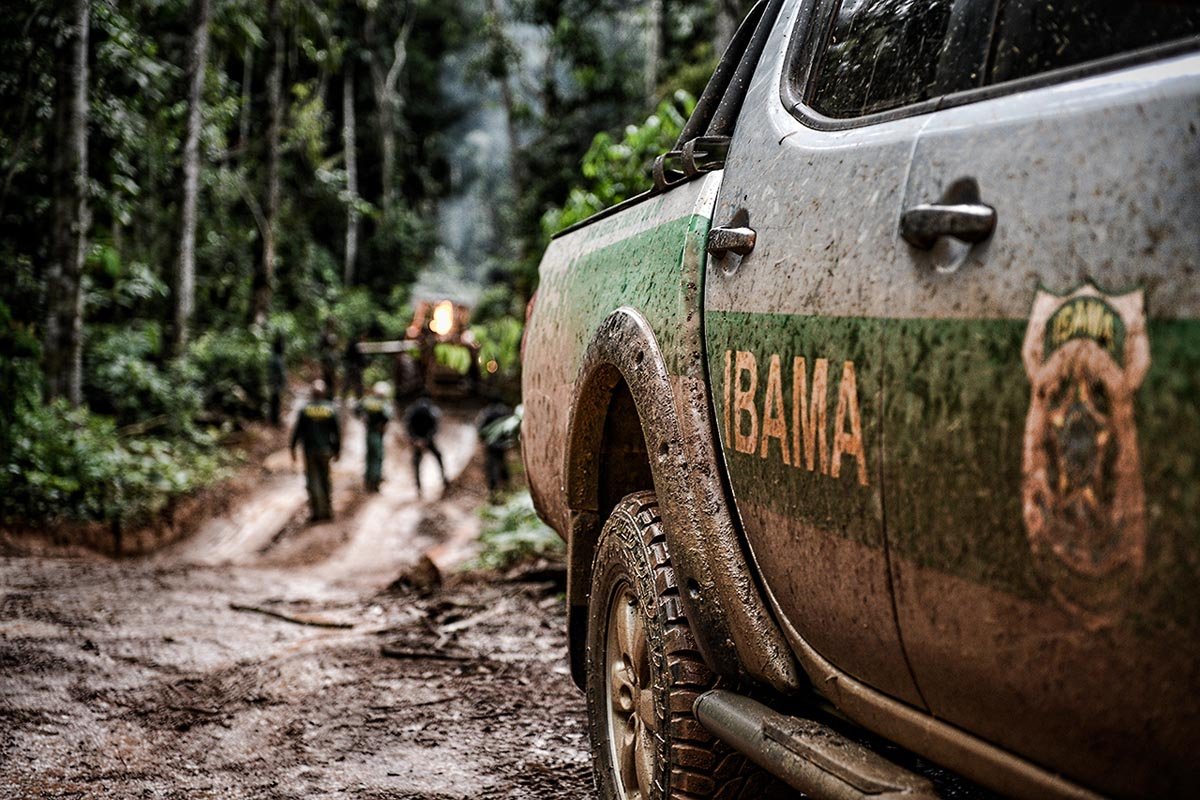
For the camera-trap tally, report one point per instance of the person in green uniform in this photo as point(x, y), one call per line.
point(375, 410)
point(319, 430)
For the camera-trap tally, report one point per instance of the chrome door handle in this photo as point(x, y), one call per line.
point(731, 240)
point(921, 226)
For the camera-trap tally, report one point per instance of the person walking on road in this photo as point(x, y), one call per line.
point(375, 411)
point(497, 428)
point(421, 424)
point(319, 430)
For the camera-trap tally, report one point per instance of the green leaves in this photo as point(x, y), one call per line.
point(499, 345)
point(73, 464)
point(231, 366)
point(617, 169)
point(512, 533)
point(453, 356)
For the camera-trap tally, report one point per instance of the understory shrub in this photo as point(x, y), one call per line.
point(124, 378)
point(513, 533)
point(70, 463)
point(64, 463)
point(231, 367)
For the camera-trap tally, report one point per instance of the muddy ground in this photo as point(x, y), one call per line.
point(248, 660)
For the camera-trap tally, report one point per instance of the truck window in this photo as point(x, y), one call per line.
point(883, 54)
point(880, 55)
point(1036, 36)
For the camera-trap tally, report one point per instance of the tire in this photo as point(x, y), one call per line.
point(634, 591)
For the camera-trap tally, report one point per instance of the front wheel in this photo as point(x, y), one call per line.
point(644, 672)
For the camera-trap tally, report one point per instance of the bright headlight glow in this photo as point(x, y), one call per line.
point(443, 318)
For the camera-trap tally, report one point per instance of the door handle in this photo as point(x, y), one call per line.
point(739, 240)
point(921, 226)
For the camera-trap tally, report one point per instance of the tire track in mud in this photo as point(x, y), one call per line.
point(137, 678)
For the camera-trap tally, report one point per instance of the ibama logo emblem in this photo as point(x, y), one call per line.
point(1084, 505)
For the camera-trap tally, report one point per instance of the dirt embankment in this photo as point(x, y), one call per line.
point(249, 660)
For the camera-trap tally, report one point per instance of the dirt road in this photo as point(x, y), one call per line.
point(247, 661)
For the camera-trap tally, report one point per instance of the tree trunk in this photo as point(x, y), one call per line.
point(185, 273)
point(265, 279)
point(516, 166)
point(386, 80)
point(15, 156)
point(63, 340)
point(387, 151)
point(349, 134)
point(247, 96)
point(728, 16)
point(654, 46)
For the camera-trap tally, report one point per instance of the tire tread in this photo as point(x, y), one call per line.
point(699, 767)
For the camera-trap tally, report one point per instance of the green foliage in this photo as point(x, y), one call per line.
point(497, 300)
point(124, 379)
point(403, 241)
point(512, 533)
point(355, 311)
point(505, 431)
point(231, 367)
point(394, 314)
point(73, 464)
point(377, 370)
point(309, 122)
point(692, 74)
point(500, 341)
point(453, 356)
point(59, 462)
point(20, 378)
point(615, 170)
point(138, 442)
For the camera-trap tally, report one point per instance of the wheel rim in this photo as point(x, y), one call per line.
point(632, 723)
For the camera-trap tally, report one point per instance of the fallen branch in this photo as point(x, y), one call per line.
point(474, 620)
point(315, 622)
point(144, 427)
point(403, 706)
point(432, 655)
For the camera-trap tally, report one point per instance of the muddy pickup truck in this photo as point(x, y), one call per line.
point(874, 428)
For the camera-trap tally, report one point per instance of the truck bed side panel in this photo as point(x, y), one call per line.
point(649, 258)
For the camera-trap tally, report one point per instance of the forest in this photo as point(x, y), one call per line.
point(183, 183)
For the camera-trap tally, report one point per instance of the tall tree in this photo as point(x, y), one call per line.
point(729, 14)
point(504, 60)
point(349, 145)
point(63, 340)
point(654, 47)
point(185, 272)
point(385, 78)
point(247, 100)
point(265, 278)
point(726, 24)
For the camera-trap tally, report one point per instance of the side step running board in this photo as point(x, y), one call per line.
point(805, 754)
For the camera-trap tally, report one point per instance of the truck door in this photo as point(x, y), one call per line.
point(1042, 420)
point(794, 337)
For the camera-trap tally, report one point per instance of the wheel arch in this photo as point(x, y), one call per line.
point(625, 406)
point(604, 430)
